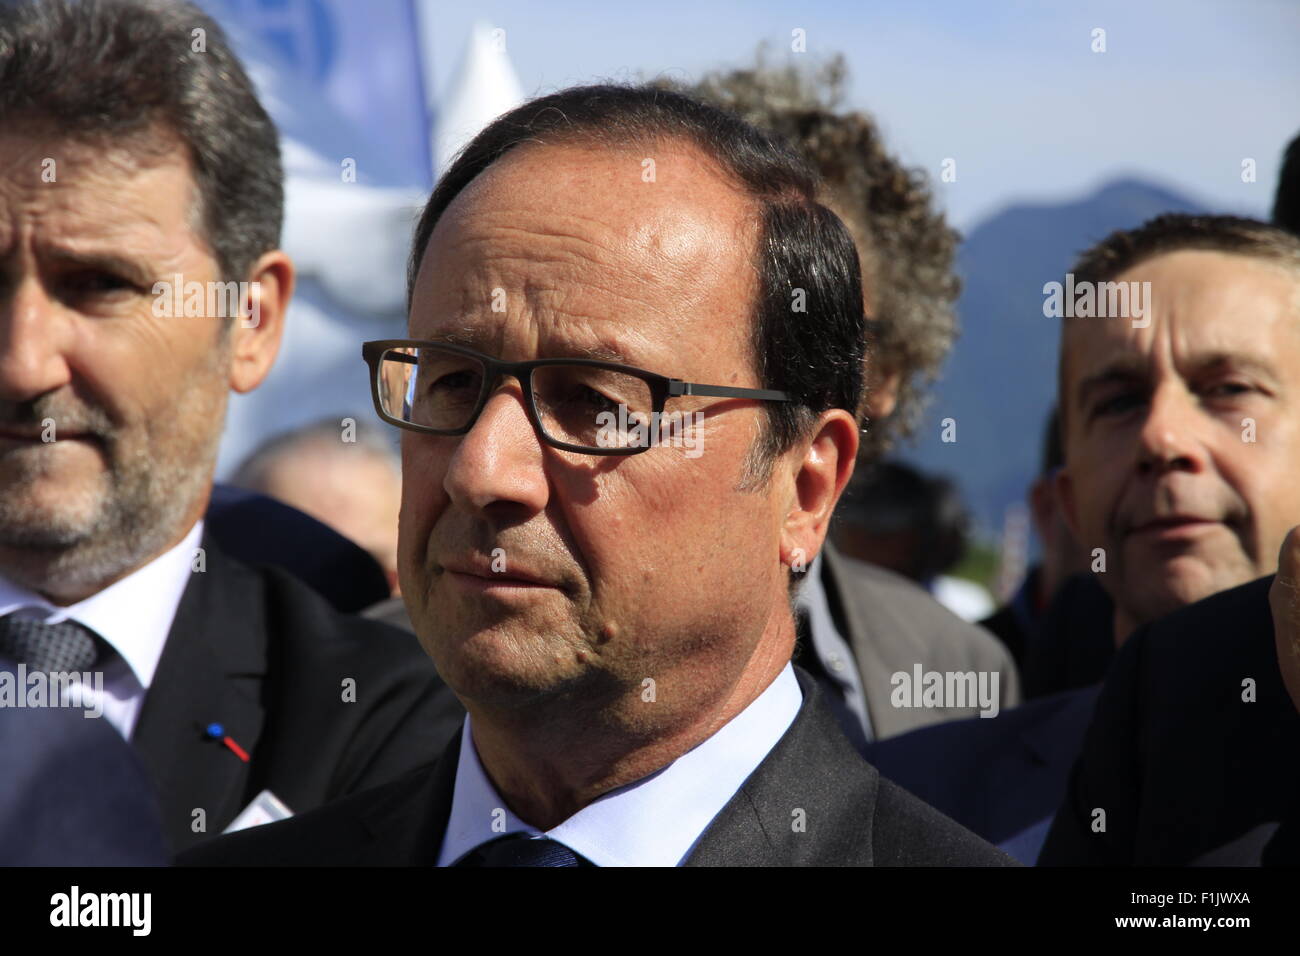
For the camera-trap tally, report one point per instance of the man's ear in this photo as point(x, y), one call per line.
point(818, 481)
point(1042, 504)
point(258, 332)
point(1069, 507)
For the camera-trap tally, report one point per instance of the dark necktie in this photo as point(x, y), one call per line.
point(519, 849)
point(66, 646)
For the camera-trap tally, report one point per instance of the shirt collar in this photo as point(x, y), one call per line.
point(655, 821)
point(134, 615)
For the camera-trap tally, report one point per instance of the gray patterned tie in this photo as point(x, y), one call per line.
point(66, 646)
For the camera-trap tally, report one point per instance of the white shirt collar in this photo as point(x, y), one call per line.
point(134, 615)
point(655, 821)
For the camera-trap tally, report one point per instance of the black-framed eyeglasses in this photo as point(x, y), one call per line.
point(581, 405)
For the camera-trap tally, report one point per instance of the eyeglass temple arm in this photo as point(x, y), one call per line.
point(678, 387)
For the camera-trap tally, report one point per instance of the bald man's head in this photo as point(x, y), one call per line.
point(344, 478)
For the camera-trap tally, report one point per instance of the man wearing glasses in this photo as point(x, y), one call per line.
point(614, 613)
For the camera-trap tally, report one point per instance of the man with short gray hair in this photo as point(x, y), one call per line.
point(140, 184)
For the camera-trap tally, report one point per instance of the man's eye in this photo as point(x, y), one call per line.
point(1229, 390)
point(1117, 404)
point(589, 396)
point(99, 283)
point(455, 382)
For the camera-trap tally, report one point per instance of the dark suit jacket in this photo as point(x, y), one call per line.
point(854, 818)
point(1179, 762)
point(996, 776)
point(262, 654)
point(1075, 641)
point(892, 624)
point(73, 793)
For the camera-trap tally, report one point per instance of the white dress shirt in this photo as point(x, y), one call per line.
point(655, 821)
point(133, 615)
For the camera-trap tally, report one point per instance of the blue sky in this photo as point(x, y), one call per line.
point(1012, 91)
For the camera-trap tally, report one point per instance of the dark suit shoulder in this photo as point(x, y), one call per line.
point(1185, 749)
point(374, 678)
point(815, 802)
point(909, 832)
point(995, 776)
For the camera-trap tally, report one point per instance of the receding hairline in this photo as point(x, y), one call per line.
point(583, 139)
point(749, 220)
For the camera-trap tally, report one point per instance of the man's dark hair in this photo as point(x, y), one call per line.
point(1174, 232)
point(1286, 201)
point(815, 355)
point(116, 72)
point(906, 245)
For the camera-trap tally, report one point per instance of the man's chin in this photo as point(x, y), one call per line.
point(1179, 583)
point(506, 668)
point(46, 530)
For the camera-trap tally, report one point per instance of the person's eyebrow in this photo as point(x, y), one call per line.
point(1247, 362)
point(604, 353)
point(103, 261)
point(1129, 370)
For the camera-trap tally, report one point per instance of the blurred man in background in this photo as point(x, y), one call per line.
point(342, 473)
point(894, 516)
point(1018, 621)
point(136, 167)
point(1181, 428)
point(1199, 401)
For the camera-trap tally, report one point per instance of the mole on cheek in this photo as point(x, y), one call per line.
point(608, 632)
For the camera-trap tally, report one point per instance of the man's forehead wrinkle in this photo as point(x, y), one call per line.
point(646, 246)
point(582, 334)
point(85, 217)
point(556, 281)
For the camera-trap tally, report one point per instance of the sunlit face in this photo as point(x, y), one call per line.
point(612, 570)
point(109, 414)
point(1183, 438)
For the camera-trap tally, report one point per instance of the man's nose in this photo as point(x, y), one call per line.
point(498, 465)
point(34, 339)
point(1170, 438)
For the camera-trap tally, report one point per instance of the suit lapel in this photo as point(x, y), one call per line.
point(211, 671)
point(407, 829)
point(866, 635)
point(810, 802)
